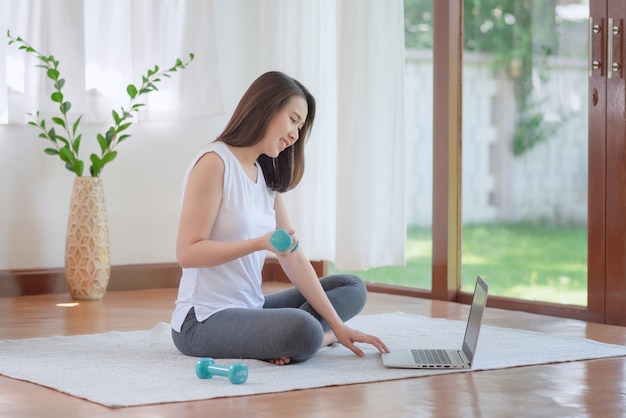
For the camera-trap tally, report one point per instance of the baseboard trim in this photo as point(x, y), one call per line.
point(123, 277)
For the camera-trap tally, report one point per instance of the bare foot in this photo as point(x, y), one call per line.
point(280, 361)
point(329, 338)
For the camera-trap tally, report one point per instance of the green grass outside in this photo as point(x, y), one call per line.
point(519, 260)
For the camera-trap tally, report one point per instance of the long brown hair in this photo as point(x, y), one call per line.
point(263, 99)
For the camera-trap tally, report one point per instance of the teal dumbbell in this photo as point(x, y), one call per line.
point(282, 241)
point(237, 373)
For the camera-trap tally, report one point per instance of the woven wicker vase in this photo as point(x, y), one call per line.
point(87, 254)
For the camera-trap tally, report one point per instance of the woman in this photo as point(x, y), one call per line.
point(232, 203)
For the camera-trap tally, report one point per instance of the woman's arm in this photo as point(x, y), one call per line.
point(201, 202)
point(301, 273)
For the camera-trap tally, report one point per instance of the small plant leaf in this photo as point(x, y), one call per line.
point(76, 144)
point(66, 155)
point(53, 74)
point(96, 165)
point(108, 157)
point(132, 91)
point(79, 166)
point(75, 127)
point(124, 127)
point(122, 137)
point(94, 159)
point(57, 97)
point(51, 151)
point(59, 121)
point(103, 143)
point(62, 139)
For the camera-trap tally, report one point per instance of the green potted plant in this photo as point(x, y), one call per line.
point(87, 260)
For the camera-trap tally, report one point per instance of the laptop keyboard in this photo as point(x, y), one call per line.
point(431, 356)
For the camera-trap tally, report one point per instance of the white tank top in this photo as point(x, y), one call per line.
point(246, 211)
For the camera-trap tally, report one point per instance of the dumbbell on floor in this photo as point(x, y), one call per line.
point(237, 373)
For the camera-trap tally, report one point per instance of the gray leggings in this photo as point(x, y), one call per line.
point(286, 326)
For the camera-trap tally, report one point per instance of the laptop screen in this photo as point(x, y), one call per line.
point(475, 317)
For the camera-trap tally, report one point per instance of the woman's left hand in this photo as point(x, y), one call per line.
point(348, 336)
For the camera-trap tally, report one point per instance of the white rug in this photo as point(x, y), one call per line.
point(118, 369)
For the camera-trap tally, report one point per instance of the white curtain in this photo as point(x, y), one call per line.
point(350, 207)
point(370, 148)
point(103, 46)
point(299, 38)
point(4, 20)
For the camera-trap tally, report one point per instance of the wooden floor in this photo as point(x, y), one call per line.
point(588, 388)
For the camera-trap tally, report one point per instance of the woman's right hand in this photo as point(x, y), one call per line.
point(347, 336)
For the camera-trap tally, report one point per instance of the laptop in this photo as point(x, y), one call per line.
point(445, 358)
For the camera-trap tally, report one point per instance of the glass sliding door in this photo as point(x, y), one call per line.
point(525, 148)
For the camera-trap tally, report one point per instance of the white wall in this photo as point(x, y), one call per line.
point(142, 185)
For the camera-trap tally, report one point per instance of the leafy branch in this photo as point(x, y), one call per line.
point(66, 145)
